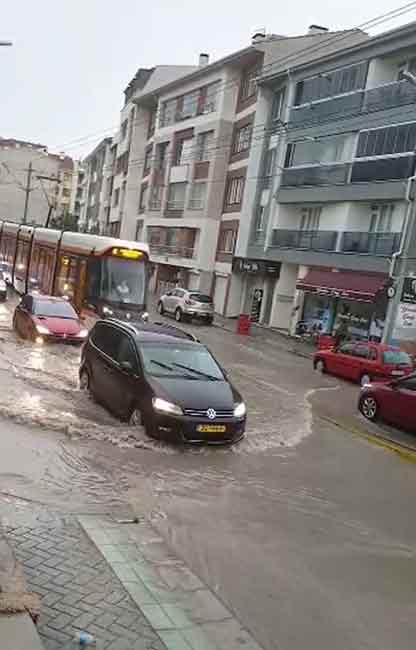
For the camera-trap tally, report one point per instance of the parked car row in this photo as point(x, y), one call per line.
point(386, 375)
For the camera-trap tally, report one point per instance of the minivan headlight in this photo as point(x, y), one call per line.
point(240, 410)
point(162, 406)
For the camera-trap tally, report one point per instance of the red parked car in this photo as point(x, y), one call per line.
point(48, 318)
point(364, 362)
point(394, 402)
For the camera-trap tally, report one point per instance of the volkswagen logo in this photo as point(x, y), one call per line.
point(211, 413)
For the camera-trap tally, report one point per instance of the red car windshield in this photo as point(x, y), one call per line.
point(54, 309)
point(396, 358)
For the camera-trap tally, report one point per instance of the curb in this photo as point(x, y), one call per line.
point(402, 450)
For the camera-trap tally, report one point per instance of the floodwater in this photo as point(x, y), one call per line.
point(303, 530)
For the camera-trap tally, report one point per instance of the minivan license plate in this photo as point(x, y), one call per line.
point(211, 428)
point(397, 373)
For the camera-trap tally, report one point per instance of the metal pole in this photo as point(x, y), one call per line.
point(27, 190)
point(400, 270)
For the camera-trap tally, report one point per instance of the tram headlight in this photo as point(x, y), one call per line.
point(107, 311)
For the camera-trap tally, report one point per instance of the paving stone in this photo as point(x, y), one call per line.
point(78, 588)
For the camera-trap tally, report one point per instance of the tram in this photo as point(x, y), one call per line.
point(101, 276)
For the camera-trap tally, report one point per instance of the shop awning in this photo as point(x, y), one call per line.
point(343, 284)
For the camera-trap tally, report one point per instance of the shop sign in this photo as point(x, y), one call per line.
point(409, 291)
point(405, 325)
point(334, 293)
point(242, 265)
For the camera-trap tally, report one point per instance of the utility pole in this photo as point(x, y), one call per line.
point(27, 191)
point(400, 267)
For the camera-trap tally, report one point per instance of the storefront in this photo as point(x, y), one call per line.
point(259, 279)
point(332, 297)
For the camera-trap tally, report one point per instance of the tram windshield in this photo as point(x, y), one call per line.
point(118, 281)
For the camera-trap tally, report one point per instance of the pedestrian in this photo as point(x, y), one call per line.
point(341, 334)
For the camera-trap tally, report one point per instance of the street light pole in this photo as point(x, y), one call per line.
point(27, 191)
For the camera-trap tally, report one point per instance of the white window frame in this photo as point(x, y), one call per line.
point(198, 196)
point(310, 218)
point(205, 140)
point(381, 218)
point(175, 203)
point(235, 190)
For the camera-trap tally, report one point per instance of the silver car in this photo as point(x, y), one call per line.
point(183, 303)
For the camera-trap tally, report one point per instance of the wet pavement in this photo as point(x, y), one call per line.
point(303, 530)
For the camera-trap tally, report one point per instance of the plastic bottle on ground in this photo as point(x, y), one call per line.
point(83, 638)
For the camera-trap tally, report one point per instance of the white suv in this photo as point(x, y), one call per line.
point(187, 304)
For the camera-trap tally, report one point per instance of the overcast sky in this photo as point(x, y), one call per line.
point(63, 78)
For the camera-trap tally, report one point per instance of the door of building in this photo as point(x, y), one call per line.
point(256, 304)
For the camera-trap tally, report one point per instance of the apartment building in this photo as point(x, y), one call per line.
point(76, 191)
point(27, 165)
point(94, 190)
point(343, 130)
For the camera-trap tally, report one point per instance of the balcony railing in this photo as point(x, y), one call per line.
point(371, 243)
point(316, 175)
point(172, 251)
point(398, 93)
point(196, 204)
point(155, 204)
point(318, 240)
point(176, 205)
point(329, 109)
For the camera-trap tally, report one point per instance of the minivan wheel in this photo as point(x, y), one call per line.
point(136, 419)
point(369, 407)
point(365, 379)
point(85, 381)
point(178, 315)
point(160, 308)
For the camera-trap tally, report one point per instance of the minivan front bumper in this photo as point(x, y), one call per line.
point(187, 429)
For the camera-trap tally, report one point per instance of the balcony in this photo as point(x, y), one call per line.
point(196, 204)
point(326, 110)
point(172, 251)
point(398, 93)
point(371, 243)
point(316, 175)
point(382, 169)
point(175, 206)
point(316, 240)
point(155, 205)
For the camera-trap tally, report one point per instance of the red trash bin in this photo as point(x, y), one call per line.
point(243, 324)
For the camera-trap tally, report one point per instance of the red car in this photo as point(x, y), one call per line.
point(394, 402)
point(364, 362)
point(48, 318)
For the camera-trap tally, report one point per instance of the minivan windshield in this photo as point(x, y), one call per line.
point(179, 360)
point(397, 357)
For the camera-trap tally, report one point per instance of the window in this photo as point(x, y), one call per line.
point(107, 339)
point(143, 198)
point(226, 241)
point(162, 151)
point(242, 138)
point(317, 152)
point(381, 217)
point(248, 83)
point(268, 167)
point(204, 145)
point(397, 358)
point(122, 163)
point(189, 105)
point(126, 352)
point(234, 191)
point(197, 198)
point(259, 222)
point(156, 194)
point(167, 114)
point(210, 98)
point(387, 141)
point(124, 129)
point(348, 348)
point(329, 84)
point(152, 124)
point(407, 384)
point(277, 106)
point(139, 230)
point(310, 218)
point(176, 197)
point(183, 151)
point(147, 160)
point(362, 351)
point(116, 197)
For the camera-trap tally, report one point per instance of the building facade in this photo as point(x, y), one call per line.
point(93, 190)
point(29, 169)
point(343, 129)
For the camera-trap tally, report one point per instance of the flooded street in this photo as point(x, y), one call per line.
point(302, 529)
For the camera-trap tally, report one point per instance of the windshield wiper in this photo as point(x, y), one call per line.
point(198, 372)
point(162, 365)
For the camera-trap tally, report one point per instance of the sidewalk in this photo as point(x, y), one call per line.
point(269, 335)
point(121, 583)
